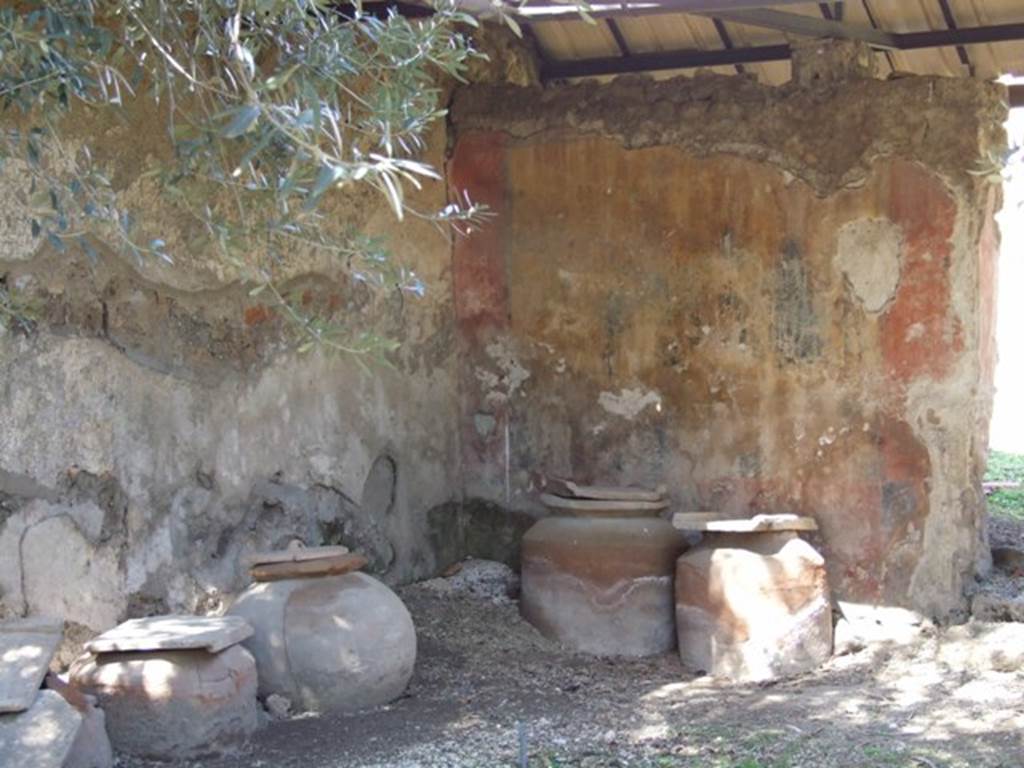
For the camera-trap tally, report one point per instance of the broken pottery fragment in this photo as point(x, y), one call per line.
point(42, 736)
point(753, 606)
point(26, 647)
point(173, 704)
point(570, 489)
point(167, 633)
point(296, 552)
point(329, 644)
point(91, 748)
point(602, 583)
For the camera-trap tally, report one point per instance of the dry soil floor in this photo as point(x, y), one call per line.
point(485, 679)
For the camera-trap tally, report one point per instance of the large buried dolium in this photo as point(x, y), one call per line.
point(597, 575)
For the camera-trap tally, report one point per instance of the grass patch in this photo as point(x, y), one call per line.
point(1006, 468)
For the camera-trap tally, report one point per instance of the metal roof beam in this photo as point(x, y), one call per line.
point(565, 11)
point(808, 26)
point(726, 38)
point(1016, 95)
point(649, 62)
point(620, 39)
point(961, 52)
point(940, 38)
point(712, 6)
point(689, 59)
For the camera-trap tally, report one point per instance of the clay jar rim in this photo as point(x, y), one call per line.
point(602, 508)
point(606, 514)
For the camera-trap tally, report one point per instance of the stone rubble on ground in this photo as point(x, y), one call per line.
point(979, 647)
point(999, 594)
point(482, 579)
point(279, 707)
point(862, 625)
point(986, 606)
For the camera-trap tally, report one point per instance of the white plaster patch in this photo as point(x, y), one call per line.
point(868, 256)
point(66, 576)
point(148, 556)
point(629, 403)
point(915, 331)
point(510, 375)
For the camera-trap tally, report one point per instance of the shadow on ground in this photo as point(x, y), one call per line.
point(481, 671)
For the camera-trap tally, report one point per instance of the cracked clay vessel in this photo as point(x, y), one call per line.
point(600, 581)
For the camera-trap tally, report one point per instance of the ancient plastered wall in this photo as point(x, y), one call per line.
point(158, 423)
point(772, 300)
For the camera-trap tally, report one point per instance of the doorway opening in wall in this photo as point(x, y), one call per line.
point(1004, 480)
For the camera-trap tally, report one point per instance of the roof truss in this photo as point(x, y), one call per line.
point(688, 59)
point(759, 13)
point(808, 26)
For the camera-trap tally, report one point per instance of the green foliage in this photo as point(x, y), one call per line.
point(270, 106)
point(1006, 467)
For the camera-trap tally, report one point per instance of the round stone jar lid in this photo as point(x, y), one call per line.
point(172, 633)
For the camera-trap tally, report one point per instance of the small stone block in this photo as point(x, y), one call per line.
point(172, 633)
point(26, 647)
point(41, 737)
point(293, 555)
point(325, 566)
point(602, 506)
point(714, 523)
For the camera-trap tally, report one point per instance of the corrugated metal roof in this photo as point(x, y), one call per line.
point(573, 40)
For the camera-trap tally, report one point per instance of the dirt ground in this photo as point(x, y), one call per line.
point(485, 680)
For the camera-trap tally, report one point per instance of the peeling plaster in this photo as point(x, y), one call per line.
point(502, 384)
point(868, 256)
point(781, 315)
point(629, 403)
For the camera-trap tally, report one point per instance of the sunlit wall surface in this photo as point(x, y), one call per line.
point(1007, 432)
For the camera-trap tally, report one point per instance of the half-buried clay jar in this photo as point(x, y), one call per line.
point(173, 704)
point(601, 582)
point(753, 606)
point(329, 644)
